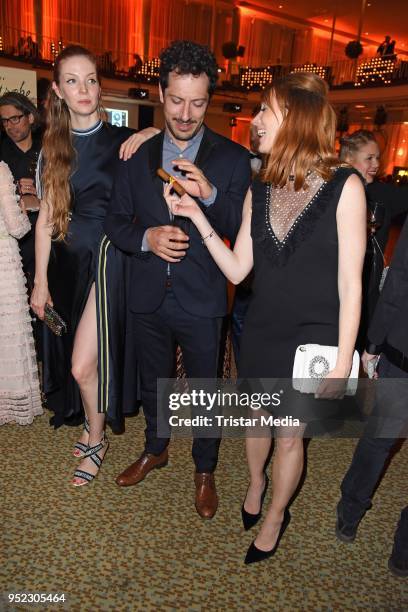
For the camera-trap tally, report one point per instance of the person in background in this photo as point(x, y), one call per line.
point(138, 63)
point(20, 398)
point(385, 202)
point(387, 338)
point(43, 86)
point(387, 47)
point(254, 155)
point(32, 49)
point(19, 148)
point(21, 45)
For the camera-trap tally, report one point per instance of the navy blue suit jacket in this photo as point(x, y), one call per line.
point(137, 203)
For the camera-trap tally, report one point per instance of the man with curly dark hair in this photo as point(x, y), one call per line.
point(187, 57)
point(178, 294)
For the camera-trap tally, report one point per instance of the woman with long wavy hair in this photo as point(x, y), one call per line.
point(303, 232)
point(76, 172)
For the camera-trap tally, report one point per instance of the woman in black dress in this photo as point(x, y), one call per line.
point(303, 232)
point(77, 167)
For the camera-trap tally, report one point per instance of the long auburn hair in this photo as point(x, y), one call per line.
point(57, 150)
point(306, 137)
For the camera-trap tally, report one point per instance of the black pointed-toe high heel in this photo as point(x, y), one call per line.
point(254, 554)
point(248, 519)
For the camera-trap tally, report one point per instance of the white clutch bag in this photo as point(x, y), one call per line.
point(313, 362)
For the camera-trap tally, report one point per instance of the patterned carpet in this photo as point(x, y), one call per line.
point(145, 548)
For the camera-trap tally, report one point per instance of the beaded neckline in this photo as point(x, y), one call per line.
point(324, 200)
point(281, 243)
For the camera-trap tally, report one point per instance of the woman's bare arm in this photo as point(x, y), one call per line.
point(43, 232)
point(234, 264)
point(352, 236)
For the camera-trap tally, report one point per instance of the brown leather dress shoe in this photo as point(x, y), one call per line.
point(206, 499)
point(140, 468)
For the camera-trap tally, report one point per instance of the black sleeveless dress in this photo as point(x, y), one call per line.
point(73, 264)
point(294, 293)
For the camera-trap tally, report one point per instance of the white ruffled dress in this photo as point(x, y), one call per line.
point(20, 398)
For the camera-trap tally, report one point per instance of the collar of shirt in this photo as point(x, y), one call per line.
point(172, 151)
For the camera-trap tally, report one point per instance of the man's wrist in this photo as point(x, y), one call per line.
point(145, 242)
point(211, 198)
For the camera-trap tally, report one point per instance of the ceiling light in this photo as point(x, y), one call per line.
point(359, 106)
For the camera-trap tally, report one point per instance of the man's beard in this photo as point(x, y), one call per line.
point(183, 136)
point(20, 137)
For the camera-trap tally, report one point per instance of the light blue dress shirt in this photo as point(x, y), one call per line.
point(172, 151)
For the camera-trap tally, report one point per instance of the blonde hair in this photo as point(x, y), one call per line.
point(306, 137)
point(352, 143)
point(58, 151)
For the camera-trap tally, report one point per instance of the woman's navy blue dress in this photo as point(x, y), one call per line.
point(72, 271)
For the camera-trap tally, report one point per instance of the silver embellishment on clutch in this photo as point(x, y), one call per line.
point(319, 367)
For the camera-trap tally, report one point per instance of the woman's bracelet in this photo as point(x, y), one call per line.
point(210, 235)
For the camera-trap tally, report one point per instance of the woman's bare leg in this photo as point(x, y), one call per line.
point(287, 470)
point(257, 451)
point(85, 372)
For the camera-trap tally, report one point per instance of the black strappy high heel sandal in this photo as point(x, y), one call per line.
point(79, 446)
point(92, 453)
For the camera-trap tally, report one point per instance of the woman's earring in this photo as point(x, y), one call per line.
point(101, 112)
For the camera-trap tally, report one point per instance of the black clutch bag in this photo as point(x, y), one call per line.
point(54, 321)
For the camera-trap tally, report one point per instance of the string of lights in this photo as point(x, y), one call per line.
point(376, 70)
point(254, 79)
point(149, 71)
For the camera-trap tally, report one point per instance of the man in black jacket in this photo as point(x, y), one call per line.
point(19, 148)
point(177, 293)
point(387, 337)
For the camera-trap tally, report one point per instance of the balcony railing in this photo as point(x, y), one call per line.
point(42, 49)
point(365, 72)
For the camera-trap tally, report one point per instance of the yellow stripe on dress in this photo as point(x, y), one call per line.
point(103, 324)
